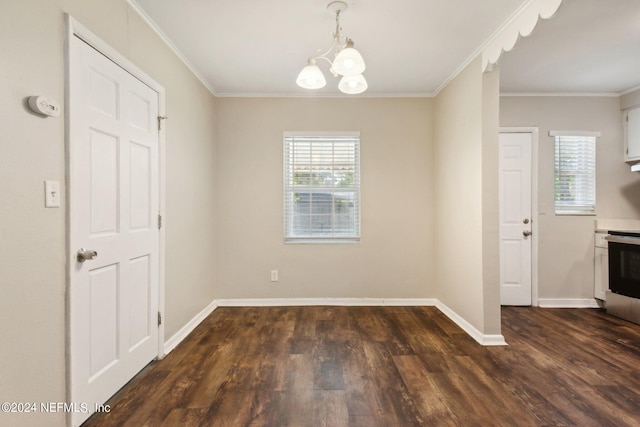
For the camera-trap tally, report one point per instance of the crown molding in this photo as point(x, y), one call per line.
point(146, 18)
point(563, 94)
point(330, 95)
point(516, 20)
point(521, 24)
point(628, 91)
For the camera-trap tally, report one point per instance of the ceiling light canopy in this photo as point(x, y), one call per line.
point(347, 61)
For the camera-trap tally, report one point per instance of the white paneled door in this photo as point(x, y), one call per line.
point(515, 218)
point(113, 226)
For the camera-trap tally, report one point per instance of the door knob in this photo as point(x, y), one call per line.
point(525, 221)
point(86, 254)
point(526, 233)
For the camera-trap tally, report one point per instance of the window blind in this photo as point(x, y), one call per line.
point(322, 187)
point(575, 173)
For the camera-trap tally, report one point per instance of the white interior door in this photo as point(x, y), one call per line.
point(113, 210)
point(515, 218)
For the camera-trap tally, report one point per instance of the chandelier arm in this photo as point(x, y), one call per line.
point(324, 55)
point(335, 43)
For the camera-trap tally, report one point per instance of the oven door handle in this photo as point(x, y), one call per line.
point(624, 240)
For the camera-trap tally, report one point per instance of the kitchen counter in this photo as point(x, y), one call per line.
point(606, 225)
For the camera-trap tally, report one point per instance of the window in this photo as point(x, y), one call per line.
point(321, 187)
point(575, 172)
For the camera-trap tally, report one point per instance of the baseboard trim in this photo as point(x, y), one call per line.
point(568, 303)
point(356, 302)
point(483, 339)
point(177, 338)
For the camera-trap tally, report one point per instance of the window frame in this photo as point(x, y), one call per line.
point(586, 207)
point(288, 190)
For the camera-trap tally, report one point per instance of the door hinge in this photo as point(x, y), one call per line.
point(160, 119)
point(159, 221)
point(159, 318)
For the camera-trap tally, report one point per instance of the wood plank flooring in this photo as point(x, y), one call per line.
point(389, 366)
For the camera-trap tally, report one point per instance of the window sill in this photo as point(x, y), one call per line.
point(321, 241)
point(575, 213)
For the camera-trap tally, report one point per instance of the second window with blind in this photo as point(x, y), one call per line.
point(322, 187)
point(575, 172)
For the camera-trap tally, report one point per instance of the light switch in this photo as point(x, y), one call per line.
point(51, 194)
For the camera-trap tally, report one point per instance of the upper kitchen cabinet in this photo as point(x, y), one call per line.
point(631, 123)
point(630, 106)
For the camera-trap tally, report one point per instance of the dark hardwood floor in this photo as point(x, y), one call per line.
point(389, 366)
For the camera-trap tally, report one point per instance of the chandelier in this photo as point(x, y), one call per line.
point(347, 61)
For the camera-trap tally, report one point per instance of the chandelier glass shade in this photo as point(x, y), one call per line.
point(347, 61)
point(353, 84)
point(311, 77)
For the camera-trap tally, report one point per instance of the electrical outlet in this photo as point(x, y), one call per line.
point(274, 275)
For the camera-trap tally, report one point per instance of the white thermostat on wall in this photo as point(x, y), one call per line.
point(44, 106)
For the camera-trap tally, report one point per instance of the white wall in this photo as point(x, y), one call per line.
point(32, 238)
point(394, 258)
point(566, 242)
point(466, 197)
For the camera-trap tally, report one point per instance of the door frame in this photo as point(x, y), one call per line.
point(534, 204)
point(75, 29)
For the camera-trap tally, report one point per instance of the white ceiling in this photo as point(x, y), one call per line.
point(411, 47)
point(589, 46)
